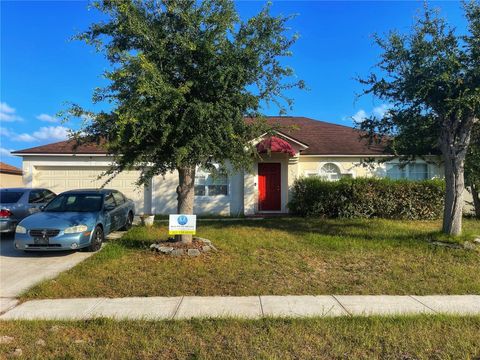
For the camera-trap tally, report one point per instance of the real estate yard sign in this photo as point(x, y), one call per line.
point(180, 224)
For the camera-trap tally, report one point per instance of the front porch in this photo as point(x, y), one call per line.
point(267, 188)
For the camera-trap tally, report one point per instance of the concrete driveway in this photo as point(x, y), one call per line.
point(20, 270)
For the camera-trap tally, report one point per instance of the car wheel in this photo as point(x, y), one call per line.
point(97, 240)
point(129, 222)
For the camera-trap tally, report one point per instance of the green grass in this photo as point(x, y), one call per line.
point(418, 337)
point(278, 257)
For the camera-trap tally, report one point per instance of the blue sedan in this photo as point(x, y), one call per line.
point(77, 219)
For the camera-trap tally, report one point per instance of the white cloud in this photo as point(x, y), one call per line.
point(359, 116)
point(53, 133)
point(5, 152)
point(47, 118)
point(24, 137)
point(7, 113)
point(381, 110)
point(5, 132)
point(5, 108)
point(378, 112)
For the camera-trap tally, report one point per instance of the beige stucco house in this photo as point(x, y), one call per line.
point(303, 147)
point(10, 176)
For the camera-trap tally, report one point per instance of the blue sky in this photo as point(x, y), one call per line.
point(41, 69)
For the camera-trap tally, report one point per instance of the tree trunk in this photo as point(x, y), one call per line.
point(476, 201)
point(453, 211)
point(454, 149)
point(185, 196)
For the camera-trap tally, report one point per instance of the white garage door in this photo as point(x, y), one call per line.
point(60, 179)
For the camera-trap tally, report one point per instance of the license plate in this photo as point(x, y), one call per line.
point(41, 240)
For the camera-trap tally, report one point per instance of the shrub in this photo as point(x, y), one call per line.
point(368, 198)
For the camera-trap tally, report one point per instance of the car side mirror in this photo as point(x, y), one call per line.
point(109, 207)
point(42, 207)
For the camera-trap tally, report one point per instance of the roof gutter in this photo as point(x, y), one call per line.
point(365, 156)
point(59, 154)
point(358, 155)
point(11, 172)
point(107, 155)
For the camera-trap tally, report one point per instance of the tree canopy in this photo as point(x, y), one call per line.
point(185, 73)
point(431, 79)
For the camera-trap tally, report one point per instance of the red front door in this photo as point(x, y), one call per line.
point(269, 187)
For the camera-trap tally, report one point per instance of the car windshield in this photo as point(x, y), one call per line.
point(75, 203)
point(10, 197)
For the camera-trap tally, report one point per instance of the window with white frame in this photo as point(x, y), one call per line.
point(211, 184)
point(311, 174)
point(415, 171)
point(330, 172)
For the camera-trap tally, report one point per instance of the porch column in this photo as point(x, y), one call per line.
point(147, 197)
point(293, 173)
point(250, 187)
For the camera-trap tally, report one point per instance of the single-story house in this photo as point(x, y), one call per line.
point(10, 176)
point(303, 147)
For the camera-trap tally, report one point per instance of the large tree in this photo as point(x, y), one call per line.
point(431, 77)
point(184, 74)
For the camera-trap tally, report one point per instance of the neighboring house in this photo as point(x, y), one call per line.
point(304, 147)
point(10, 176)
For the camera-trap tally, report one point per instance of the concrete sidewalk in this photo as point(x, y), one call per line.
point(250, 307)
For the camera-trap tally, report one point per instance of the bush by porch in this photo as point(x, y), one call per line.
point(368, 198)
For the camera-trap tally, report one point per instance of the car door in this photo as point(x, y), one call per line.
point(122, 210)
point(109, 207)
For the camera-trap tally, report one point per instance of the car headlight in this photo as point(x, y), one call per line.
point(76, 229)
point(20, 230)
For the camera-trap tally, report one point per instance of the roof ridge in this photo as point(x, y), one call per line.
point(40, 146)
point(321, 137)
point(312, 120)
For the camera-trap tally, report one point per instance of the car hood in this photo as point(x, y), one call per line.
point(59, 220)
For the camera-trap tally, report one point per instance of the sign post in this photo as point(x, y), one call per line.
point(180, 224)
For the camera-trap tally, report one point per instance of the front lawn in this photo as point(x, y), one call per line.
point(279, 256)
point(419, 337)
